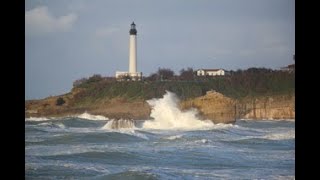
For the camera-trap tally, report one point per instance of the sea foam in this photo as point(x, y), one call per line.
point(85, 115)
point(119, 124)
point(92, 117)
point(37, 119)
point(167, 115)
point(281, 136)
point(174, 137)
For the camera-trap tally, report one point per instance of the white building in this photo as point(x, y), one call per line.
point(290, 68)
point(132, 74)
point(211, 72)
point(122, 75)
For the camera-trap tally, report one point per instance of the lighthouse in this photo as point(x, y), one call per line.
point(133, 50)
point(132, 74)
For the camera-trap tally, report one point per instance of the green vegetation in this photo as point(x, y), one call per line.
point(60, 101)
point(238, 84)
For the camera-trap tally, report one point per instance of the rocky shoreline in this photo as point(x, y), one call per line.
point(213, 106)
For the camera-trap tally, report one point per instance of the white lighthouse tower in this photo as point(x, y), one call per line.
point(133, 50)
point(132, 74)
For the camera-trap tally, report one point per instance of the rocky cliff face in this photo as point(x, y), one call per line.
point(120, 108)
point(213, 106)
point(116, 108)
point(275, 107)
point(221, 109)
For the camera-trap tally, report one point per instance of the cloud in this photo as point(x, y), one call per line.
point(40, 21)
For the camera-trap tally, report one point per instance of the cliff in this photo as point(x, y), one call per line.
point(214, 106)
point(267, 107)
point(114, 108)
point(222, 109)
point(252, 94)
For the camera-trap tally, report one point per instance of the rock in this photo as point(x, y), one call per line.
point(213, 106)
point(121, 123)
point(275, 107)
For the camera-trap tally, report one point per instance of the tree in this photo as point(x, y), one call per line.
point(78, 82)
point(60, 101)
point(187, 74)
point(152, 77)
point(165, 73)
point(95, 78)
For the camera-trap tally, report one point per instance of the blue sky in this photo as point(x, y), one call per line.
point(66, 40)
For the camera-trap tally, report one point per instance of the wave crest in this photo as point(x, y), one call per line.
point(85, 115)
point(167, 115)
point(37, 119)
point(119, 124)
point(92, 117)
point(280, 136)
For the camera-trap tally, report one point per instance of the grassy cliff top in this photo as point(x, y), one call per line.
point(238, 85)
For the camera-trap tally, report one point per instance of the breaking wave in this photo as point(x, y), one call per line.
point(50, 124)
point(119, 124)
point(174, 137)
point(167, 115)
point(37, 119)
point(92, 117)
point(85, 115)
point(281, 136)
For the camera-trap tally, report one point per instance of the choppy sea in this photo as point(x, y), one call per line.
point(89, 147)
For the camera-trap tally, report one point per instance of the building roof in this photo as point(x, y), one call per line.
point(291, 66)
point(210, 69)
point(133, 30)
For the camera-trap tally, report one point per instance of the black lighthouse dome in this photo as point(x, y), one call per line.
point(133, 30)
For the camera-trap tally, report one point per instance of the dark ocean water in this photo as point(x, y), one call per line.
point(85, 148)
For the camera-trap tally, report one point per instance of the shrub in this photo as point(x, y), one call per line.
point(60, 101)
point(78, 82)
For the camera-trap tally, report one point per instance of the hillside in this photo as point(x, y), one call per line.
point(253, 93)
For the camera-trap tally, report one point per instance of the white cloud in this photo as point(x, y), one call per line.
point(39, 21)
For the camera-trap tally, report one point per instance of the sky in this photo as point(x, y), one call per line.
point(66, 40)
